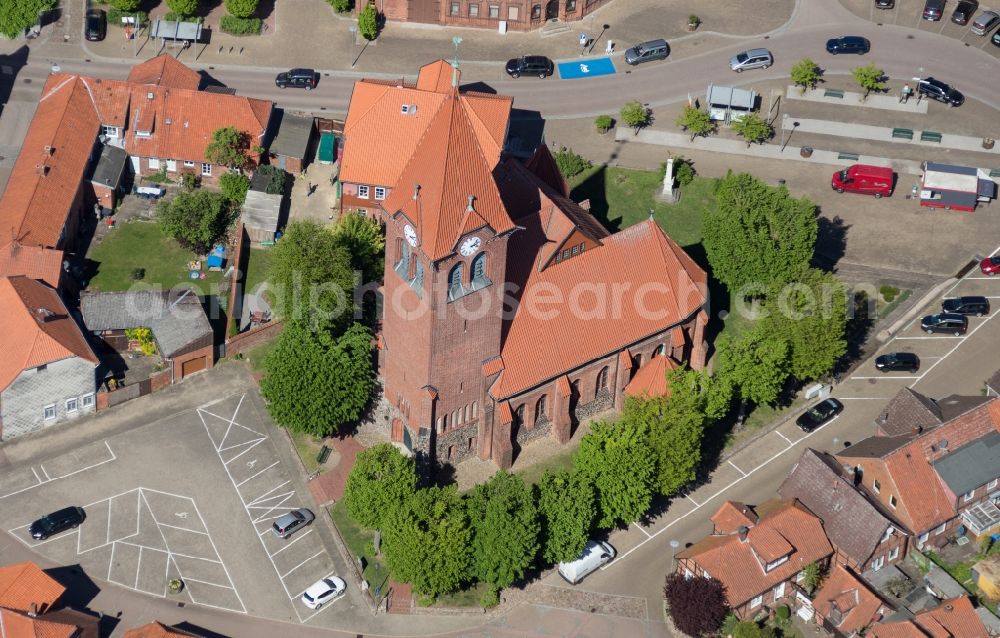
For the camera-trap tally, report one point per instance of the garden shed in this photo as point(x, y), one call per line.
point(261, 214)
point(290, 148)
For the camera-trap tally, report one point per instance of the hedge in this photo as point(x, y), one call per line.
point(115, 16)
point(239, 26)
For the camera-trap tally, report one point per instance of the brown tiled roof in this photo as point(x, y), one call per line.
point(852, 522)
point(37, 329)
point(543, 165)
point(899, 629)
point(731, 516)
point(856, 605)
point(17, 625)
point(651, 379)
point(492, 366)
point(908, 412)
point(736, 564)
point(25, 584)
point(953, 618)
point(156, 630)
point(165, 70)
point(43, 184)
point(34, 262)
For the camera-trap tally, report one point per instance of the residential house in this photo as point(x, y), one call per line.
point(845, 606)
point(48, 371)
point(758, 553)
point(502, 15)
point(910, 412)
point(29, 606)
point(863, 534)
point(926, 481)
point(953, 618)
point(156, 630)
point(183, 335)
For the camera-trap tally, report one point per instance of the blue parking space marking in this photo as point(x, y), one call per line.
point(586, 68)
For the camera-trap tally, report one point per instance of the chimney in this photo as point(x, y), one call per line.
point(470, 208)
point(42, 169)
point(416, 191)
point(48, 151)
point(948, 607)
point(743, 531)
point(44, 314)
point(33, 611)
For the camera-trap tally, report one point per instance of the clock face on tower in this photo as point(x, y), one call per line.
point(410, 234)
point(470, 246)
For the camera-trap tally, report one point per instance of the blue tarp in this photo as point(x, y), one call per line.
point(586, 68)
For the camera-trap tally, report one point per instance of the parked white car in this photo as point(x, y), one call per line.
point(323, 591)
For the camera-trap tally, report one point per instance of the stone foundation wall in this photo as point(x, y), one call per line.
point(537, 431)
point(458, 440)
point(601, 403)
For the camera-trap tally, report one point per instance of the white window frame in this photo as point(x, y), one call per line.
point(109, 131)
point(154, 163)
point(888, 533)
point(72, 405)
point(992, 484)
point(878, 563)
point(189, 163)
point(923, 538)
point(49, 412)
point(779, 590)
point(688, 574)
point(892, 501)
point(968, 496)
point(362, 192)
point(894, 553)
point(876, 486)
point(379, 193)
point(171, 166)
point(940, 529)
point(206, 169)
point(87, 400)
point(756, 601)
point(776, 563)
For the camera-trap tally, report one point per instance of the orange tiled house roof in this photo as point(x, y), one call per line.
point(24, 585)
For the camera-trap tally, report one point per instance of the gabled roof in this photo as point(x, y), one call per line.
point(20, 625)
point(955, 618)
point(165, 70)
point(23, 585)
point(908, 412)
point(846, 601)
point(156, 630)
point(651, 379)
point(852, 522)
point(34, 262)
point(733, 515)
point(898, 629)
point(37, 329)
point(544, 166)
point(783, 526)
point(972, 465)
point(294, 134)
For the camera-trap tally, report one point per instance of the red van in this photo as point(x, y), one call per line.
point(862, 178)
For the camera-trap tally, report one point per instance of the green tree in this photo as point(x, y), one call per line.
point(125, 5)
point(184, 8)
point(635, 115)
point(368, 22)
point(195, 219)
point(229, 147)
point(315, 383)
point(504, 529)
point(18, 15)
point(234, 187)
point(311, 276)
point(381, 479)
point(341, 6)
point(747, 629)
point(566, 511)
point(617, 461)
point(810, 312)
point(812, 577)
point(697, 606)
point(805, 73)
point(363, 239)
point(428, 541)
point(753, 129)
point(870, 78)
point(569, 163)
point(756, 234)
point(756, 365)
point(275, 179)
point(695, 121)
point(242, 8)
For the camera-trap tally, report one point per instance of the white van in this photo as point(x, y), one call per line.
point(595, 554)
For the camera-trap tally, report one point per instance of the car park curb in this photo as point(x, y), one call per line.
point(933, 293)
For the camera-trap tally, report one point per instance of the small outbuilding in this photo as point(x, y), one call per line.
point(292, 143)
point(261, 214)
point(726, 104)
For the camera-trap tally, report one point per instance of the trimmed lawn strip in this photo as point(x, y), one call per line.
point(462, 598)
point(359, 541)
point(562, 460)
point(892, 305)
point(258, 267)
point(761, 416)
point(255, 356)
point(307, 446)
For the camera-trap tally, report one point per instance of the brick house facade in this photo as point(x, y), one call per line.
point(518, 15)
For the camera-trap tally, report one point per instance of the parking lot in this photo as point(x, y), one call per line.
point(192, 496)
point(909, 13)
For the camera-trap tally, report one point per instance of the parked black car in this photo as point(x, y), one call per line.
point(885, 4)
point(938, 90)
point(95, 25)
point(848, 44)
point(974, 305)
point(898, 362)
point(945, 322)
point(963, 11)
point(530, 65)
point(56, 522)
point(819, 414)
point(298, 78)
point(933, 10)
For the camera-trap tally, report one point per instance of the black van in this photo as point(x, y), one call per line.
point(56, 522)
point(974, 305)
point(647, 51)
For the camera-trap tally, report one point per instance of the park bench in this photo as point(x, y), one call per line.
point(902, 133)
point(930, 136)
point(849, 156)
point(833, 93)
point(995, 172)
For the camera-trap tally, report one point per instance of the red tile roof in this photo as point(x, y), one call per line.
point(33, 262)
point(156, 630)
point(165, 70)
point(651, 379)
point(900, 629)
point(955, 618)
point(25, 584)
point(739, 565)
point(37, 329)
point(857, 605)
point(16, 625)
point(732, 516)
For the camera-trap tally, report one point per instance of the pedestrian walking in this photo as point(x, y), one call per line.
point(309, 189)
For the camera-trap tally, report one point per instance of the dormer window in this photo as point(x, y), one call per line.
point(776, 563)
point(888, 533)
point(111, 132)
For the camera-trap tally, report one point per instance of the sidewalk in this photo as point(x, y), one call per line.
point(884, 134)
point(850, 98)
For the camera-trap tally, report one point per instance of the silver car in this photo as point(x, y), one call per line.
point(752, 59)
point(286, 525)
point(985, 22)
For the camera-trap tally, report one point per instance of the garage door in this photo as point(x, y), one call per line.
point(192, 366)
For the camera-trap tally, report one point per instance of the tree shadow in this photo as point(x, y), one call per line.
point(861, 320)
point(831, 241)
point(197, 631)
point(265, 9)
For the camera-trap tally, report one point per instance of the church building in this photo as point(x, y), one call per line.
point(508, 311)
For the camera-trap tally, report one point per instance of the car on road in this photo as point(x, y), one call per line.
point(885, 4)
point(95, 25)
point(530, 65)
point(287, 524)
point(963, 11)
point(595, 554)
point(938, 90)
point(819, 415)
point(946, 322)
point(848, 44)
point(996, 39)
point(990, 266)
point(933, 10)
point(323, 591)
point(56, 522)
point(973, 305)
point(647, 52)
point(897, 362)
point(752, 59)
point(297, 78)
point(986, 22)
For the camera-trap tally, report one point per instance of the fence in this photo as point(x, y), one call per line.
point(252, 338)
point(156, 382)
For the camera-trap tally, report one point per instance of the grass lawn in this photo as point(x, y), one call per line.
point(258, 265)
point(358, 540)
point(759, 417)
point(561, 461)
point(255, 356)
point(307, 446)
point(463, 598)
point(139, 244)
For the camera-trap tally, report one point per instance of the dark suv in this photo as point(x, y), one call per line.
point(974, 305)
point(898, 361)
point(848, 44)
point(933, 10)
point(298, 78)
point(56, 522)
point(963, 12)
point(530, 65)
point(938, 90)
point(945, 322)
point(95, 25)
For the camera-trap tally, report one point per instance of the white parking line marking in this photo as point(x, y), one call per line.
point(264, 496)
point(257, 474)
point(287, 545)
point(37, 478)
point(639, 527)
point(49, 479)
point(319, 553)
point(886, 376)
point(738, 469)
point(184, 529)
point(42, 468)
point(782, 436)
point(952, 337)
point(692, 500)
point(244, 451)
point(957, 346)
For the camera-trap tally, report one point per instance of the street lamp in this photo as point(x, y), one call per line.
point(604, 27)
point(674, 544)
point(784, 125)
